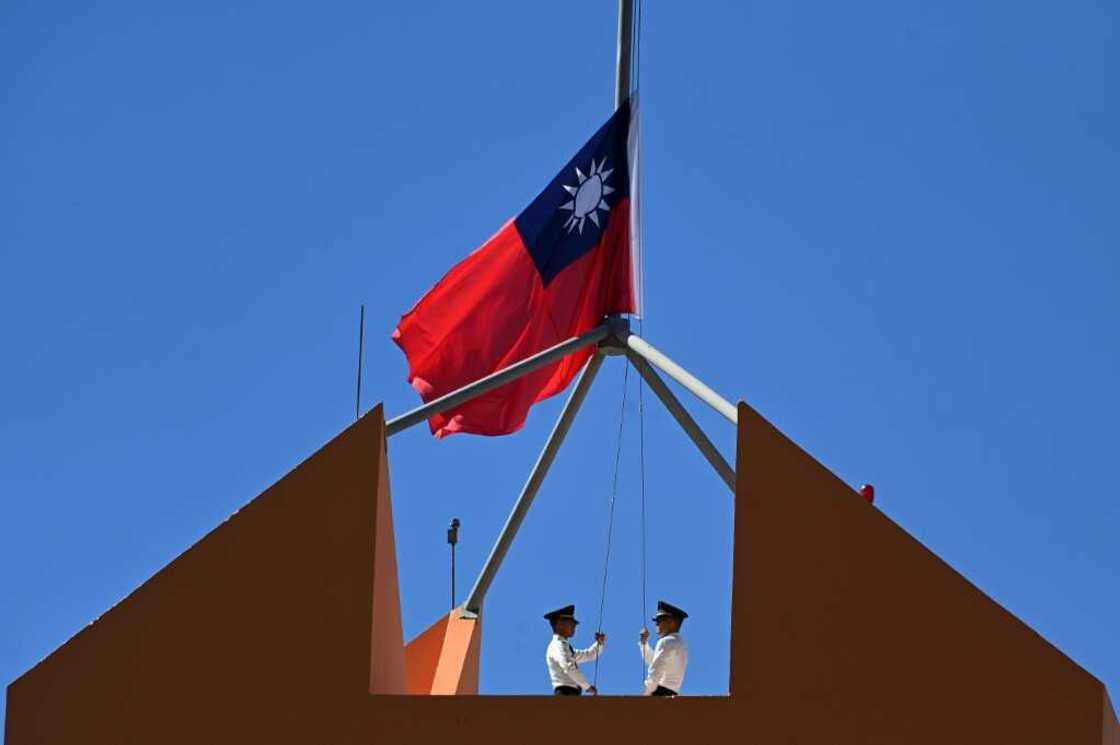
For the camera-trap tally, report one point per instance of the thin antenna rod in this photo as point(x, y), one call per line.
point(361, 345)
point(452, 539)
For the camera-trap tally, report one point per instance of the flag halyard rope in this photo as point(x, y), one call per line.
point(610, 512)
point(642, 479)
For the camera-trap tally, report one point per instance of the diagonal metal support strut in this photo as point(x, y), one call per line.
point(473, 603)
point(685, 420)
point(496, 379)
point(684, 377)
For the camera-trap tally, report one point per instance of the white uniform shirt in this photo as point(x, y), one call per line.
point(666, 662)
point(563, 662)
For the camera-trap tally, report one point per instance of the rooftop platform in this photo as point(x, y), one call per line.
point(283, 626)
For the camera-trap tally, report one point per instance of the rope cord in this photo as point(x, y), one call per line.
point(641, 381)
point(610, 512)
point(642, 474)
point(634, 60)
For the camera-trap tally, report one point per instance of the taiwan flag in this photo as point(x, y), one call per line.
point(551, 273)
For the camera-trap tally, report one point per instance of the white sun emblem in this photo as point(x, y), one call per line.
point(588, 197)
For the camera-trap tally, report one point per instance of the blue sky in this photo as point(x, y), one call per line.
point(890, 226)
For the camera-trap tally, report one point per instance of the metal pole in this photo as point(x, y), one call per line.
point(361, 343)
point(688, 424)
point(496, 379)
point(532, 484)
point(684, 377)
point(625, 50)
point(452, 539)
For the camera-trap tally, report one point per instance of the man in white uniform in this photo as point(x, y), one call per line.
point(666, 661)
point(563, 659)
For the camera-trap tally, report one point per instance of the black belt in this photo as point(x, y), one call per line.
point(567, 691)
point(663, 691)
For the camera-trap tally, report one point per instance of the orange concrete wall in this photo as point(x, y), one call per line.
point(457, 671)
point(387, 669)
point(444, 659)
point(421, 657)
point(1111, 727)
point(261, 632)
point(846, 629)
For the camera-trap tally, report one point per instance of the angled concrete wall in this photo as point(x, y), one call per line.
point(444, 659)
point(840, 612)
point(263, 631)
point(1111, 726)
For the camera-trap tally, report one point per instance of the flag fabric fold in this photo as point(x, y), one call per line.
point(551, 273)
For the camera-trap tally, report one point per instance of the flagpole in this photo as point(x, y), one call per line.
point(624, 82)
point(473, 603)
point(625, 50)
